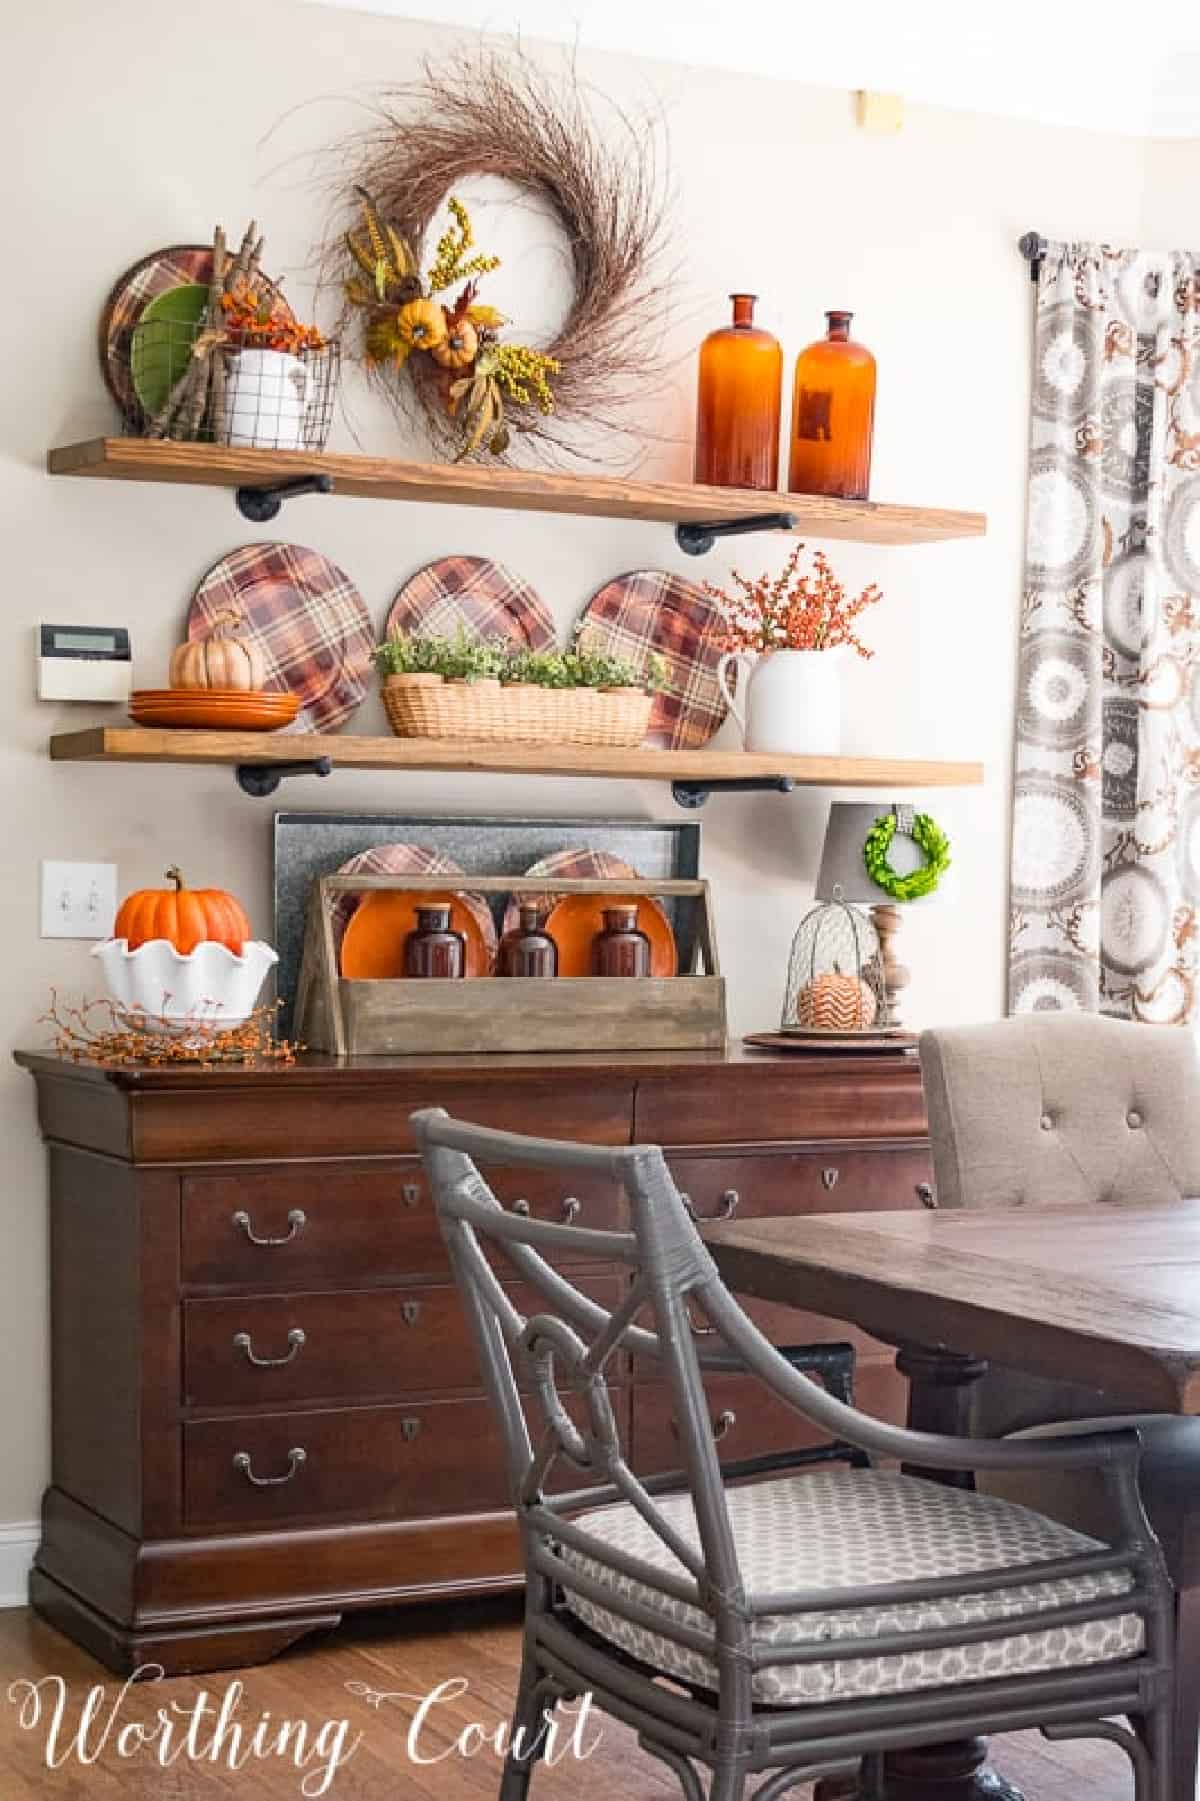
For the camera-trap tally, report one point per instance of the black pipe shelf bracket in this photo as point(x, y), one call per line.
point(1033, 248)
point(694, 794)
point(262, 779)
point(696, 539)
point(261, 505)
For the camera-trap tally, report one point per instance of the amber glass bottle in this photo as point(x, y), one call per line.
point(621, 949)
point(833, 415)
point(737, 406)
point(435, 949)
point(528, 950)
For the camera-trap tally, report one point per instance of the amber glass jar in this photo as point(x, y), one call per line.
point(737, 406)
point(529, 950)
point(620, 949)
point(833, 415)
point(433, 949)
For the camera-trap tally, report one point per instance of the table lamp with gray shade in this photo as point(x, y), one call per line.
point(844, 875)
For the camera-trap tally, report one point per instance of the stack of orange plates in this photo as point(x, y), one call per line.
point(218, 709)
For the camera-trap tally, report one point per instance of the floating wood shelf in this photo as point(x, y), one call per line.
point(698, 769)
point(468, 484)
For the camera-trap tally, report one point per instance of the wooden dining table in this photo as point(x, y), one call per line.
point(1104, 1296)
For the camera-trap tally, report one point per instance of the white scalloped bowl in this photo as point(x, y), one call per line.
point(157, 988)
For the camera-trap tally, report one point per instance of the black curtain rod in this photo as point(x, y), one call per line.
point(1033, 247)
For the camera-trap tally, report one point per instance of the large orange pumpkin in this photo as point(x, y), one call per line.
point(185, 917)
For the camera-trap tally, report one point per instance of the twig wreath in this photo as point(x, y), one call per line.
point(929, 838)
point(436, 351)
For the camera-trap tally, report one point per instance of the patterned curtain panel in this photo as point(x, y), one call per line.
point(1106, 812)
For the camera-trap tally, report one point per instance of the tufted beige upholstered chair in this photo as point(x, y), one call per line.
point(1062, 1109)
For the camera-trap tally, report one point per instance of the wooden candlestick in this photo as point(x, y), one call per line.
point(886, 919)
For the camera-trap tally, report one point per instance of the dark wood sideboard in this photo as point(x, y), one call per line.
point(202, 1221)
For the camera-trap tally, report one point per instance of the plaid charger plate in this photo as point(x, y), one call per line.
point(474, 595)
point(652, 612)
point(307, 618)
point(177, 266)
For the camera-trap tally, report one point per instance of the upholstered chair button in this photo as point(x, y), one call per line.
point(1133, 1119)
point(1047, 1123)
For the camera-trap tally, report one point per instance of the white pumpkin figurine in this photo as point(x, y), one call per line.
point(221, 659)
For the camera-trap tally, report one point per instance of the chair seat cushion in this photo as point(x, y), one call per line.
point(837, 1529)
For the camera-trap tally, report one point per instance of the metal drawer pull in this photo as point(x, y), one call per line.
point(570, 1208)
point(243, 1342)
point(297, 1458)
point(829, 1177)
point(297, 1220)
point(925, 1194)
point(726, 1207)
point(410, 1194)
point(409, 1429)
point(410, 1312)
point(723, 1423)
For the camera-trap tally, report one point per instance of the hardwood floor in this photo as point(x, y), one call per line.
point(406, 1654)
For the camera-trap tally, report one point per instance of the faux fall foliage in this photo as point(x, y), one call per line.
point(565, 151)
point(812, 611)
point(479, 374)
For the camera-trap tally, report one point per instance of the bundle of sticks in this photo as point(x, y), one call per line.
point(200, 390)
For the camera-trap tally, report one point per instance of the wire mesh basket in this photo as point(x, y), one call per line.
point(228, 387)
point(835, 973)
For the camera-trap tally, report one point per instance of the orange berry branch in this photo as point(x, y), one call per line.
point(793, 612)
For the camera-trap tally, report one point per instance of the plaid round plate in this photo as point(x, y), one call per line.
point(174, 267)
point(307, 618)
point(652, 612)
point(410, 859)
point(482, 598)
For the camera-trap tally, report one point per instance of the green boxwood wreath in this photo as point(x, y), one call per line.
point(929, 838)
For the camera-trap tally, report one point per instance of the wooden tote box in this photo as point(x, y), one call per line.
point(430, 1017)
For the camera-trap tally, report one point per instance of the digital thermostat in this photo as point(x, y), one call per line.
point(83, 662)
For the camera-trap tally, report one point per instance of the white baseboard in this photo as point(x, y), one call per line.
point(17, 1546)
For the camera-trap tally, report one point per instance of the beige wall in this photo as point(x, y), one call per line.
point(130, 125)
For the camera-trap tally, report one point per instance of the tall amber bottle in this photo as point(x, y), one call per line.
point(833, 415)
point(738, 404)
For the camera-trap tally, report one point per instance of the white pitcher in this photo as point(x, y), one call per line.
point(267, 393)
point(786, 700)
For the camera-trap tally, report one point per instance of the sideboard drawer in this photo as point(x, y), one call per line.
point(839, 1178)
point(355, 1346)
point(760, 1422)
point(304, 1225)
point(387, 1462)
point(413, 1461)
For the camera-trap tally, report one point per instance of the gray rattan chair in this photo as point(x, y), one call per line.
point(790, 1625)
point(1056, 1109)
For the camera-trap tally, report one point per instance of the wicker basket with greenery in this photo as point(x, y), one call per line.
point(463, 688)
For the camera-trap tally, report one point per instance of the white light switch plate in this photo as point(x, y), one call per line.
point(79, 900)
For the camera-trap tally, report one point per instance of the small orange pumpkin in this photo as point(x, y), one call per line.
point(421, 324)
point(834, 1002)
point(460, 347)
point(185, 917)
point(219, 660)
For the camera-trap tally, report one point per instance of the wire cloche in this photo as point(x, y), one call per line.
point(835, 974)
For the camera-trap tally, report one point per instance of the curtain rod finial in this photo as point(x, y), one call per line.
point(1033, 248)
